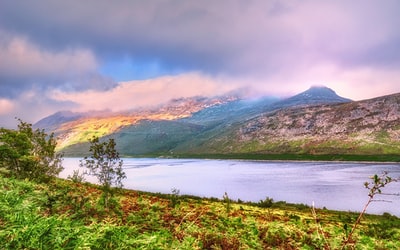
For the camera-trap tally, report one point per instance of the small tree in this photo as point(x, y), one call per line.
point(104, 163)
point(375, 188)
point(29, 153)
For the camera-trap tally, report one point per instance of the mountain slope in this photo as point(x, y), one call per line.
point(364, 127)
point(52, 122)
point(210, 129)
point(74, 128)
point(218, 120)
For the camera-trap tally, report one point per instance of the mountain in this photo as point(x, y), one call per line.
point(316, 121)
point(313, 96)
point(75, 128)
point(52, 122)
point(364, 127)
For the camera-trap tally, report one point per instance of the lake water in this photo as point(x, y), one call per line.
point(333, 185)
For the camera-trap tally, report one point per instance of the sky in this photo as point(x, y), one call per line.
point(123, 54)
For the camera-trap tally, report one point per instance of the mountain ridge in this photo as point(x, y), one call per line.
point(316, 121)
point(362, 127)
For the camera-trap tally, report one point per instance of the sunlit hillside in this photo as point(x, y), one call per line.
point(87, 125)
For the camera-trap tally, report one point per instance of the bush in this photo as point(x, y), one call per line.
point(266, 203)
point(76, 177)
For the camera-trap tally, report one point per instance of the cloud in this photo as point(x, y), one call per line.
point(142, 93)
point(72, 49)
point(357, 84)
point(25, 66)
point(6, 106)
point(30, 106)
point(217, 37)
point(33, 61)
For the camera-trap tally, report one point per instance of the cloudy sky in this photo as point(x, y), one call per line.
point(95, 54)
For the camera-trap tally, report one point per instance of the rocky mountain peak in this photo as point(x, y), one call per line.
point(313, 96)
point(320, 92)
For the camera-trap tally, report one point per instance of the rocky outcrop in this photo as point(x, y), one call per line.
point(375, 121)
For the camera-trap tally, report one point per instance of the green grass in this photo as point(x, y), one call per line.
point(68, 215)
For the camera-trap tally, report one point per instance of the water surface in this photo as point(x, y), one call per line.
point(332, 185)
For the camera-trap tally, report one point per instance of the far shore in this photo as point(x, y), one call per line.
point(386, 158)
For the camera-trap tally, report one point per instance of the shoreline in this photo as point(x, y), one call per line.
point(255, 159)
point(369, 159)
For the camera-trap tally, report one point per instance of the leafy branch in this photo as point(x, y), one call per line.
point(375, 188)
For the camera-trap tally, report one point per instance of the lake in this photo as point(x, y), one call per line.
point(334, 185)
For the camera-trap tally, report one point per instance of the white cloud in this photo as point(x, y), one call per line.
point(133, 94)
point(6, 106)
point(140, 93)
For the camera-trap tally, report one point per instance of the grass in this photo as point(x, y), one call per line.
point(69, 215)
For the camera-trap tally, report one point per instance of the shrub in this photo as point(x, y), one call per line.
point(266, 203)
point(76, 177)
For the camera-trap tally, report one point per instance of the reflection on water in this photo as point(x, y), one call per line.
point(332, 185)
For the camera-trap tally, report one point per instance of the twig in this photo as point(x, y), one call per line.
point(186, 215)
point(319, 228)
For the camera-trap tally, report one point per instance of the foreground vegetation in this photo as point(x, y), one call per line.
point(65, 214)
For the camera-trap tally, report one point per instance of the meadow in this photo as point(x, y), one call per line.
point(69, 214)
